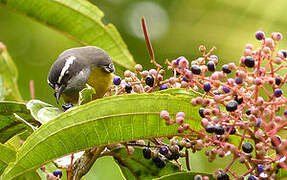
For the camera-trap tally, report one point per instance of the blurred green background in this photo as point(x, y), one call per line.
point(176, 28)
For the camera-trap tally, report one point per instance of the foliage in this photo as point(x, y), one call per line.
point(150, 123)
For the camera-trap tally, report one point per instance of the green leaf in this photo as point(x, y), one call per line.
point(136, 166)
point(6, 155)
point(86, 95)
point(42, 111)
point(180, 91)
point(9, 124)
point(79, 20)
point(101, 122)
point(184, 176)
point(8, 76)
point(282, 174)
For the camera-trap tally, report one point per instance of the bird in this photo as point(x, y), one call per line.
point(76, 67)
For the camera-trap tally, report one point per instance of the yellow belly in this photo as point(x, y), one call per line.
point(101, 81)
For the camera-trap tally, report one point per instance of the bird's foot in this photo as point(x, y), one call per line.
point(67, 106)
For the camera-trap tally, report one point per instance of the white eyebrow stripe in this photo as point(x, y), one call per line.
point(69, 61)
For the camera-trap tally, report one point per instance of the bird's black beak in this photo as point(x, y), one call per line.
point(58, 91)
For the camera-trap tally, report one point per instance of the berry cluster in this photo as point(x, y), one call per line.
point(244, 101)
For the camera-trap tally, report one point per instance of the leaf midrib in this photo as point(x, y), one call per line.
point(69, 34)
point(77, 124)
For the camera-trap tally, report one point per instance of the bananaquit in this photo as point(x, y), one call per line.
point(77, 67)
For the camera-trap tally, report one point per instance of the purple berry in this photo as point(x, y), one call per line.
point(206, 87)
point(159, 162)
point(278, 92)
point(251, 177)
point(247, 147)
point(163, 150)
point(210, 129)
point(225, 69)
point(163, 87)
point(147, 153)
point(195, 69)
point(211, 66)
point(117, 80)
point(223, 176)
point(258, 122)
point(285, 113)
point(232, 131)
point(238, 80)
point(259, 35)
point(201, 112)
point(219, 130)
point(260, 168)
point(58, 173)
point(284, 52)
point(277, 81)
point(249, 62)
point(231, 106)
point(149, 80)
point(128, 88)
point(248, 112)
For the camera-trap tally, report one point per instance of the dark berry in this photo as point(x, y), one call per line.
point(259, 35)
point(223, 176)
point(149, 80)
point(163, 87)
point(201, 112)
point(117, 80)
point(277, 81)
point(258, 122)
point(173, 156)
point(248, 112)
point(67, 106)
point(159, 162)
point(285, 113)
point(58, 173)
point(278, 92)
point(284, 52)
point(238, 80)
point(251, 177)
point(147, 153)
point(219, 130)
point(226, 69)
point(260, 168)
point(232, 131)
point(195, 69)
point(163, 150)
point(206, 87)
point(231, 106)
point(210, 129)
point(247, 147)
point(226, 90)
point(249, 62)
point(238, 99)
point(211, 66)
point(128, 88)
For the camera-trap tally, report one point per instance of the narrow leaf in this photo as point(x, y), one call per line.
point(7, 155)
point(101, 122)
point(9, 124)
point(136, 166)
point(79, 20)
point(184, 176)
point(8, 76)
